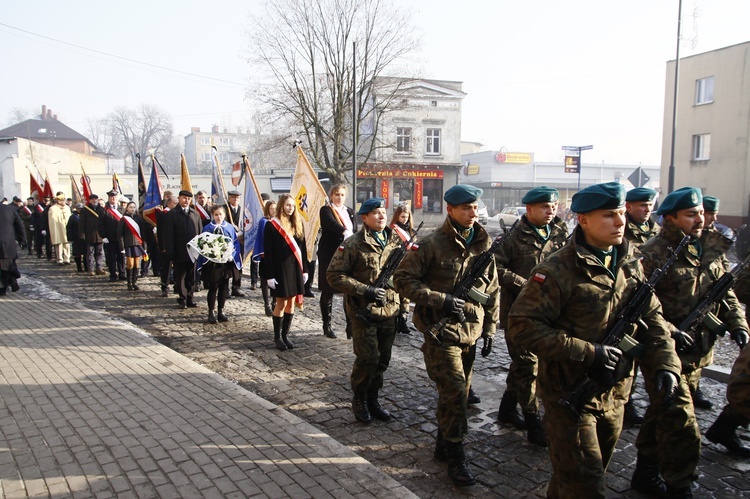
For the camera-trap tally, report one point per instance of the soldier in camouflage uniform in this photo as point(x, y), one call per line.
point(353, 270)
point(428, 277)
point(671, 442)
point(533, 238)
point(640, 227)
point(562, 315)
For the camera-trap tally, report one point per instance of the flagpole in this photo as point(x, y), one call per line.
point(354, 126)
point(221, 180)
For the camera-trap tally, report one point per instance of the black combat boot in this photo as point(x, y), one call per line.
point(130, 280)
point(679, 492)
point(376, 410)
point(632, 416)
point(277, 333)
point(535, 433)
point(700, 401)
point(458, 468)
point(647, 480)
point(285, 324)
point(134, 278)
point(326, 311)
point(211, 316)
point(222, 316)
point(723, 432)
point(359, 407)
point(264, 292)
point(441, 449)
point(508, 412)
point(348, 328)
point(473, 398)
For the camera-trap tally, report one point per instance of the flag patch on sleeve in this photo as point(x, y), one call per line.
point(341, 248)
point(539, 277)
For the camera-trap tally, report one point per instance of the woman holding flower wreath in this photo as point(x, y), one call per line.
point(285, 259)
point(217, 251)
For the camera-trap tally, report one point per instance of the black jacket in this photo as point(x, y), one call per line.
point(179, 229)
point(331, 237)
point(11, 230)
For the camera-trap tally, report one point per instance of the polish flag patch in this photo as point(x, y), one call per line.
point(341, 248)
point(540, 278)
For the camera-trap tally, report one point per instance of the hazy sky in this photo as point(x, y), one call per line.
point(538, 74)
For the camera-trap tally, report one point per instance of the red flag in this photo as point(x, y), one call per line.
point(48, 187)
point(36, 190)
point(86, 183)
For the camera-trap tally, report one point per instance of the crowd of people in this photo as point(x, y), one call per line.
point(554, 295)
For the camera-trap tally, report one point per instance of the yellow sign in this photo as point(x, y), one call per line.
point(516, 158)
point(472, 170)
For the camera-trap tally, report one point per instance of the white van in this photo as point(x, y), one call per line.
point(482, 212)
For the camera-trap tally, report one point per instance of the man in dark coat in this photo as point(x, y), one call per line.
point(165, 264)
point(108, 231)
point(88, 232)
point(11, 230)
point(26, 212)
point(181, 225)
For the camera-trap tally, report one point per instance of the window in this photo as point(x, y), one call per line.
point(704, 90)
point(365, 191)
point(205, 141)
point(206, 156)
point(702, 147)
point(403, 189)
point(433, 103)
point(433, 141)
point(403, 139)
point(224, 157)
point(224, 141)
point(432, 198)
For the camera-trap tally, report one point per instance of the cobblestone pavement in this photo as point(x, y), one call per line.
point(312, 382)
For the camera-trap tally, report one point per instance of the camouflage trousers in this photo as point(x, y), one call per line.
point(738, 388)
point(521, 379)
point(372, 349)
point(670, 438)
point(580, 450)
point(450, 367)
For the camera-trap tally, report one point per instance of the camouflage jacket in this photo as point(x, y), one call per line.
point(521, 251)
point(356, 264)
point(688, 280)
point(637, 236)
point(568, 304)
point(738, 388)
point(435, 269)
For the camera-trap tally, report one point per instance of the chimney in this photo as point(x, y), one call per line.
point(195, 129)
point(55, 117)
point(215, 129)
point(49, 115)
point(44, 112)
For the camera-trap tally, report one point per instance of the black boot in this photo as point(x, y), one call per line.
point(326, 311)
point(723, 432)
point(473, 398)
point(679, 492)
point(222, 316)
point(264, 292)
point(646, 479)
point(402, 323)
point(441, 449)
point(535, 433)
point(211, 316)
point(348, 329)
point(458, 468)
point(285, 324)
point(134, 278)
point(508, 412)
point(359, 407)
point(700, 400)
point(376, 410)
point(130, 280)
point(632, 416)
point(79, 265)
point(277, 333)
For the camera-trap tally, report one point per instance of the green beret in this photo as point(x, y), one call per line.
point(541, 194)
point(711, 204)
point(640, 194)
point(599, 197)
point(462, 194)
point(371, 204)
point(686, 197)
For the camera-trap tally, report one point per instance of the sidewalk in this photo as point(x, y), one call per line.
point(91, 407)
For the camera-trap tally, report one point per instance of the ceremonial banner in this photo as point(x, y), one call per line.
point(77, 196)
point(253, 211)
point(116, 184)
point(85, 184)
point(153, 195)
point(185, 183)
point(310, 197)
point(218, 193)
point(47, 187)
point(36, 190)
point(141, 186)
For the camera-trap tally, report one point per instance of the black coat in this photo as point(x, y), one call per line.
point(108, 227)
point(11, 230)
point(88, 227)
point(331, 237)
point(281, 264)
point(126, 238)
point(78, 244)
point(179, 229)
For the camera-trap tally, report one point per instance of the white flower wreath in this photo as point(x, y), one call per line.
point(216, 248)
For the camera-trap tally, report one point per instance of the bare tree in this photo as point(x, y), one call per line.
point(18, 114)
point(306, 48)
point(145, 129)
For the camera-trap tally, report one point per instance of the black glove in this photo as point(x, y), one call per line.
point(666, 381)
point(487, 346)
point(374, 294)
point(683, 341)
point(740, 337)
point(605, 357)
point(453, 305)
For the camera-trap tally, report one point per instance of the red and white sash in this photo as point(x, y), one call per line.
point(27, 210)
point(134, 229)
point(115, 214)
point(292, 246)
point(202, 212)
point(40, 208)
point(405, 236)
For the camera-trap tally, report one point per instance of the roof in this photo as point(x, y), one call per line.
point(43, 129)
point(281, 184)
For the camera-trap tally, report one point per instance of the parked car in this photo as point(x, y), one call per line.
point(508, 216)
point(482, 212)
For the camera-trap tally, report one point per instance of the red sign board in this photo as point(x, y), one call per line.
point(384, 173)
point(418, 193)
point(384, 190)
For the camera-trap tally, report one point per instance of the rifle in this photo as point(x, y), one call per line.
point(385, 277)
point(465, 288)
point(596, 382)
point(701, 315)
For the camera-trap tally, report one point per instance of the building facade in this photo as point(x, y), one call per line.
point(712, 139)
